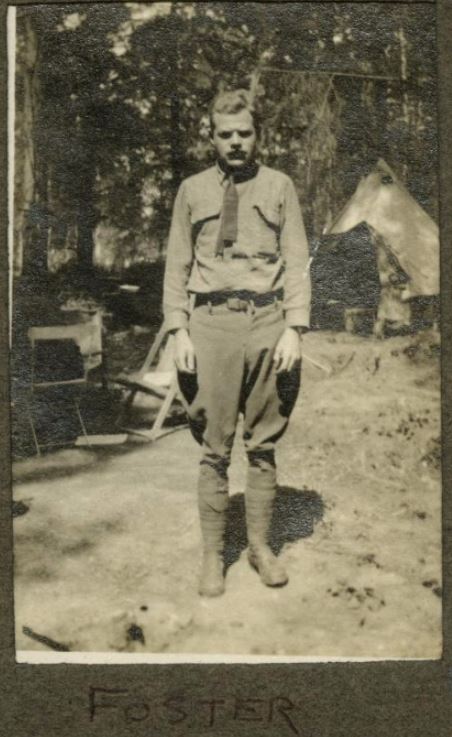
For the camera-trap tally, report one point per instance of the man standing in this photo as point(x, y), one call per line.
point(237, 297)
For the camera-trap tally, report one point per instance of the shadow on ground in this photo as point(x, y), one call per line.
point(71, 460)
point(294, 516)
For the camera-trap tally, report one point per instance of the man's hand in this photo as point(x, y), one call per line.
point(184, 354)
point(287, 351)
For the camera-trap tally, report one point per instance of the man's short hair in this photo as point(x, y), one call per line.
point(231, 102)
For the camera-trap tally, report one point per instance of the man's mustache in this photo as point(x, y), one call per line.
point(236, 155)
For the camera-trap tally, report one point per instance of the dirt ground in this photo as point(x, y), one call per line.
point(107, 552)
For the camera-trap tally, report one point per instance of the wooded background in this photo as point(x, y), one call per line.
point(111, 105)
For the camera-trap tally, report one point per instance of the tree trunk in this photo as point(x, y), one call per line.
point(28, 255)
point(86, 215)
point(177, 154)
point(176, 147)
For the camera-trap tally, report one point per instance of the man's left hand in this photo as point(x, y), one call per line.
point(287, 351)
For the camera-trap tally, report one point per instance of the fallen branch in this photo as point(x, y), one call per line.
point(44, 640)
point(318, 364)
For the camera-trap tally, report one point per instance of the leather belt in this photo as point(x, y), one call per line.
point(238, 300)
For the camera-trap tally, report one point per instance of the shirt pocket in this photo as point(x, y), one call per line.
point(205, 223)
point(267, 222)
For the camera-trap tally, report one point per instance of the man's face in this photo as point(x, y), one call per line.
point(234, 138)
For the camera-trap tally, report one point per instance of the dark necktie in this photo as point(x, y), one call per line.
point(229, 217)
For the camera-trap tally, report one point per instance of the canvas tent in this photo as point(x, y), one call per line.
point(345, 269)
point(382, 243)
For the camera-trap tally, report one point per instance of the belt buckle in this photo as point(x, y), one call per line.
point(236, 304)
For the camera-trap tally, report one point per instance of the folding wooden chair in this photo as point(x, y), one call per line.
point(159, 381)
point(61, 358)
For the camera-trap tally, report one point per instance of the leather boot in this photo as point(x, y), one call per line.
point(260, 493)
point(271, 571)
point(213, 502)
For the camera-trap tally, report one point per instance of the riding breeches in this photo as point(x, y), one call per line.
point(235, 374)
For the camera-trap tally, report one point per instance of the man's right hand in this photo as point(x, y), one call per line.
point(184, 354)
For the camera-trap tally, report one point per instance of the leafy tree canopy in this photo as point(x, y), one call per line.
point(123, 93)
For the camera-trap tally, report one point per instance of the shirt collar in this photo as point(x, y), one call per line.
point(243, 175)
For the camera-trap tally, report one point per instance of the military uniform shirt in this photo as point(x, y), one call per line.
point(271, 250)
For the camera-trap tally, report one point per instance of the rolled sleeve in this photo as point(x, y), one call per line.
point(295, 254)
point(176, 304)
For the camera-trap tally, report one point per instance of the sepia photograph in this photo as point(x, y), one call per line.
point(224, 332)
